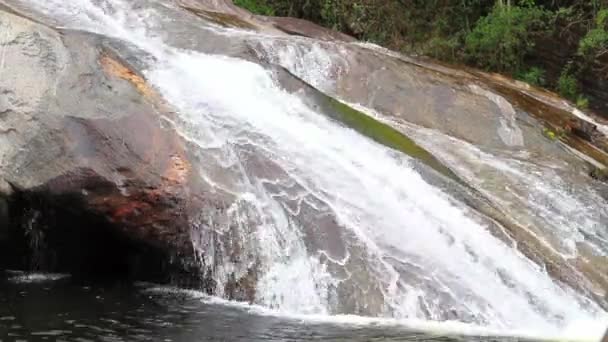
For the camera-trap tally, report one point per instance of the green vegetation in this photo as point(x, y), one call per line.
point(532, 40)
point(567, 84)
point(553, 135)
point(549, 134)
point(501, 40)
point(255, 6)
point(568, 87)
point(534, 76)
point(582, 102)
point(595, 42)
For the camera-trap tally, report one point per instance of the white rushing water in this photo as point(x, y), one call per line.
point(585, 331)
point(401, 241)
point(34, 277)
point(574, 212)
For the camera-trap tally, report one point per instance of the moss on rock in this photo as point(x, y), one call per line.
point(385, 135)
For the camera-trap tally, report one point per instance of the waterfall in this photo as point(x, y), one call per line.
point(330, 221)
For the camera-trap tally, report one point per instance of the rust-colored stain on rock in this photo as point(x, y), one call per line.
point(157, 168)
point(113, 67)
point(129, 209)
point(178, 170)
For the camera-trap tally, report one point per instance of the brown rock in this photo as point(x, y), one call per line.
point(300, 27)
point(94, 166)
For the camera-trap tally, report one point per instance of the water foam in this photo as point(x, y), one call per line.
point(580, 331)
point(21, 277)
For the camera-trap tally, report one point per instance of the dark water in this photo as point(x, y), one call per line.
point(69, 310)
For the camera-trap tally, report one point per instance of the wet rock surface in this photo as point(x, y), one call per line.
point(83, 144)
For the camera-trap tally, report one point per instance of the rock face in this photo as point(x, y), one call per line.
point(495, 117)
point(95, 178)
point(300, 27)
point(96, 172)
point(90, 160)
point(80, 132)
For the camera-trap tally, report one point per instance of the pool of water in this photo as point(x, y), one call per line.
point(58, 308)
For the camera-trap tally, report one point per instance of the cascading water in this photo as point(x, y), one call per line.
point(566, 211)
point(330, 221)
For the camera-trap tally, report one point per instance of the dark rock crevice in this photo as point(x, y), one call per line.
point(50, 233)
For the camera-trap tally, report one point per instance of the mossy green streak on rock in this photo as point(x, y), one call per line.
point(362, 123)
point(385, 135)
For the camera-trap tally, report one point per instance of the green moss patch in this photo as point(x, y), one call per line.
point(385, 135)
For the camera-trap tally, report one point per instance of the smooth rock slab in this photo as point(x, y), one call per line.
point(83, 136)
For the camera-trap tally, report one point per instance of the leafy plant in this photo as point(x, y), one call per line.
point(502, 39)
point(331, 14)
point(568, 87)
point(596, 40)
point(582, 102)
point(553, 134)
point(567, 84)
point(534, 76)
point(550, 134)
point(256, 6)
point(443, 48)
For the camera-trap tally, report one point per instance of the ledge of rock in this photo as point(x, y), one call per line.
point(301, 27)
point(96, 177)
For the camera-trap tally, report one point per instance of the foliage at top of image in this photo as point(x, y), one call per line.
point(501, 40)
point(255, 6)
point(595, 42)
